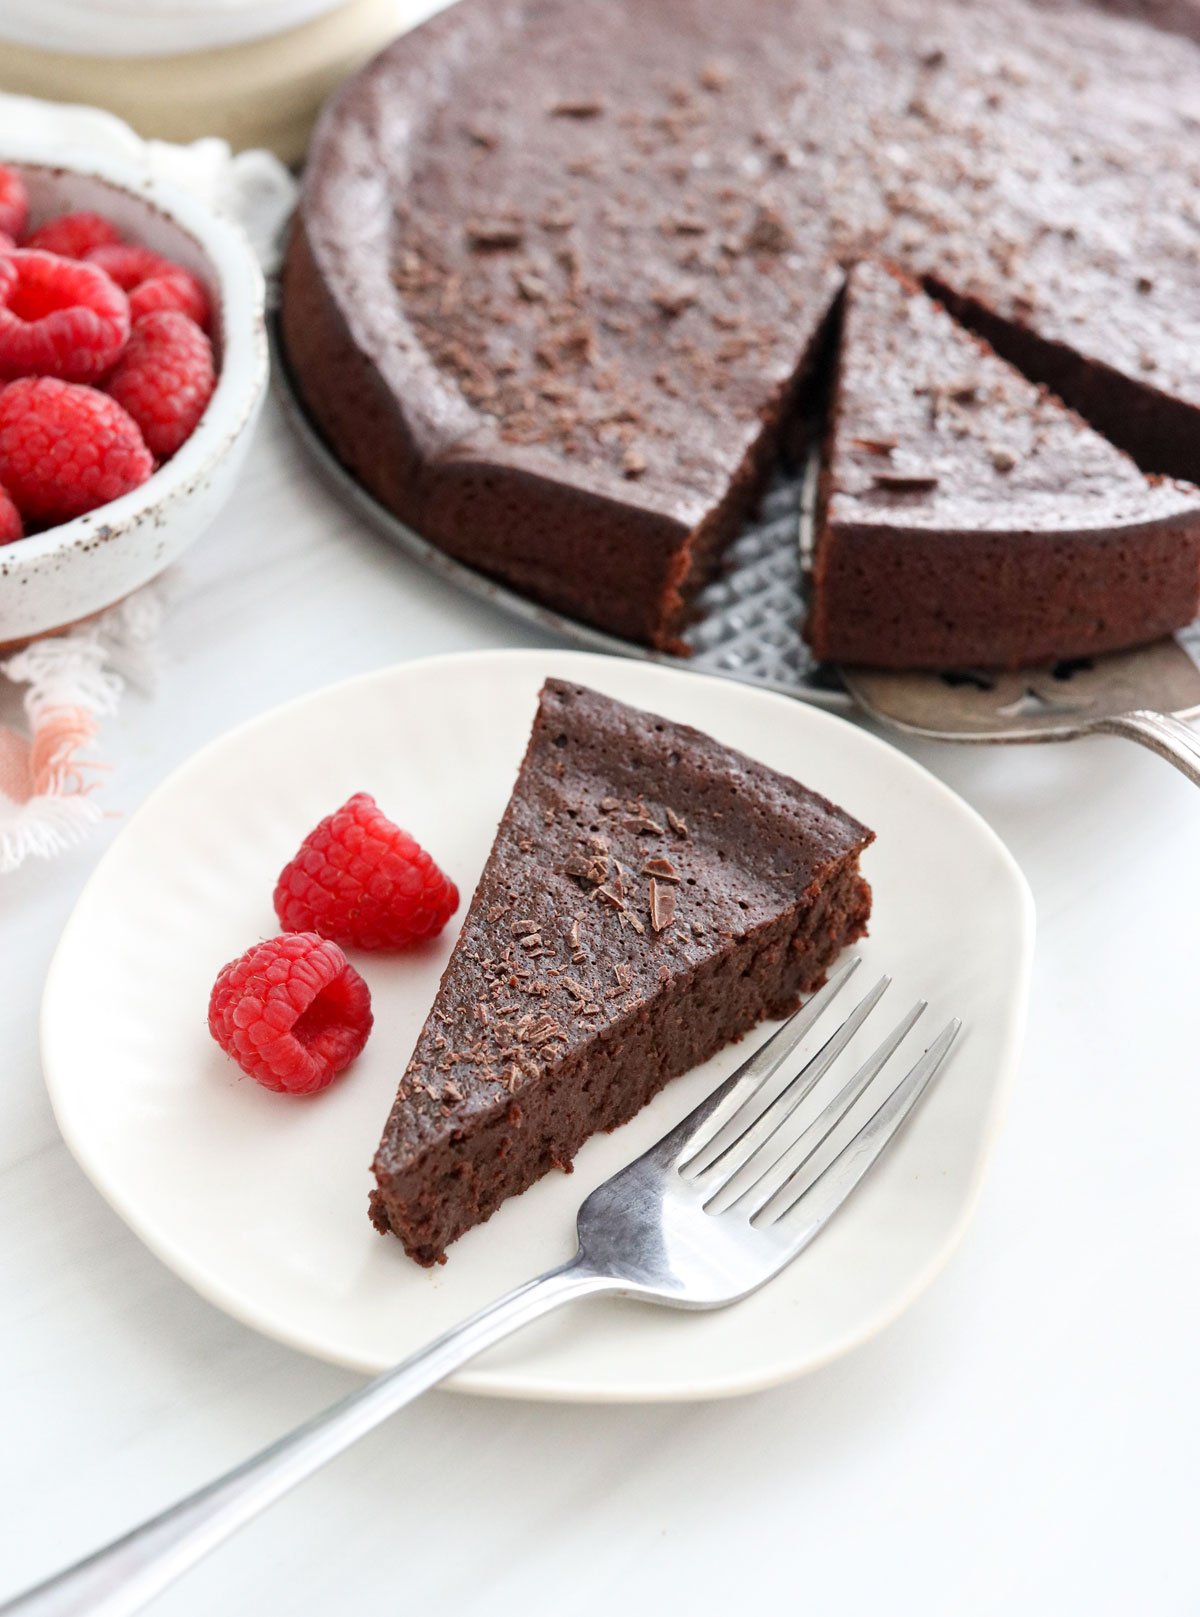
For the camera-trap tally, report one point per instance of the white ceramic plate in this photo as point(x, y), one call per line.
point(260, 1201)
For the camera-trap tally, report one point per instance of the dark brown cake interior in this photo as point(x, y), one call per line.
point(650, 896)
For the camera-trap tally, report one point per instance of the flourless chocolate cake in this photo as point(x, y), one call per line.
point(651, 895)
point(969, 516)
point(562, 267)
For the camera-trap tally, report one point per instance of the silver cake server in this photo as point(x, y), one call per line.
point(1145, 695)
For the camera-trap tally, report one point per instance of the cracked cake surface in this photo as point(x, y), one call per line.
point(651, 895)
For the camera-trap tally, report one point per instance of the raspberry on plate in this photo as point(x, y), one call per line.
point(164, 379)
point(364, 882)
point(153, 282)
point(14, 203)
point(58, 317)
point(10, 520)
point(74, 235)
point(291, 1012)
point(65, 449)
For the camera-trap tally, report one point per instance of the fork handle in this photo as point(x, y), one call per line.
point(124, 1575)
point(1163, 733)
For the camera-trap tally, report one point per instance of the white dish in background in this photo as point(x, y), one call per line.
point(53, 579)
point(259, 1201)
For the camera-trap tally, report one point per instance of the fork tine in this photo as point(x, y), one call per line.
point(691, 1135)
point(754, 1132)
point(819, 1201)
point(785, 1170)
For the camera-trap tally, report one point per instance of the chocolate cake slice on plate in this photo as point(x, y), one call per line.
point(650, 896)
point(968, 517)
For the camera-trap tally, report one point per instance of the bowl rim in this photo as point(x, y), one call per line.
point(242, 341)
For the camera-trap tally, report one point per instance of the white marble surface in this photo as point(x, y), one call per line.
point(1025, 1439)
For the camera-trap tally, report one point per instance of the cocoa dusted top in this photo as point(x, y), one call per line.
point(615, 869)
point(599, 233)
point(932, 431)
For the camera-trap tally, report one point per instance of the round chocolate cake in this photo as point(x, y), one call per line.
point(564, 271)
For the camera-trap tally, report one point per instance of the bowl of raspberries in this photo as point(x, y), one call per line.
point(133, 364)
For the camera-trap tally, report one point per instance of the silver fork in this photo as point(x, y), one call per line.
point(705, 1217)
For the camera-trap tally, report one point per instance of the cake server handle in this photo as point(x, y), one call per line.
point(124, 1575)
point(1170, 737)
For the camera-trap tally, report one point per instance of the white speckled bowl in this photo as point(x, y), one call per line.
point(55, 578)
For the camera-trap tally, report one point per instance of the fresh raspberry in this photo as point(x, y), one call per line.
point(58, 318)
point(164, 379)
point(153, 282)
point(179, 292)
point(363, 882)
point(14, 203)
point(291, 1012)
point(65, 449)
point(10, 520)
point(74, 235)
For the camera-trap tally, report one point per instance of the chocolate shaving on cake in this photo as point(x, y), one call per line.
point(875, 446)
point(556, 220)
point(577, 107)
point(964, 392)
point(531, 287)
point(591, 871)
point(644, 824)
point(662, 905)
point(523, 928)
point(487, 234)
point(905, 482)
point(544, 1031)
point(677, 823)
point(1003, 459)
point(633, 463)
point(767, 233)
point(482, 136)
point(661, 869)
point(672, 301)
point(685, 224)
